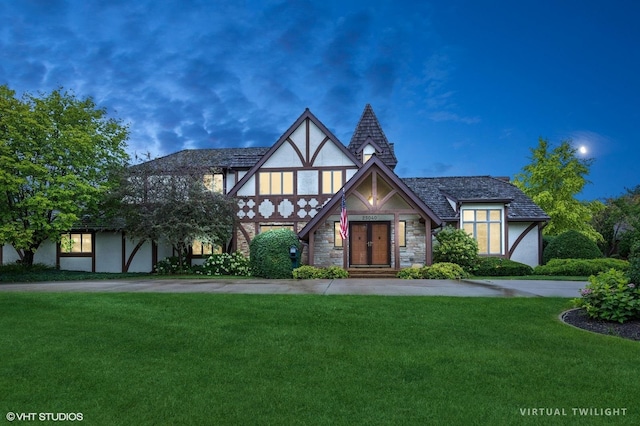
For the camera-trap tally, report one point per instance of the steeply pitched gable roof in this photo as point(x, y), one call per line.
point(305, 115)
point(369, 130)
point(480, 189)
point(388, 174)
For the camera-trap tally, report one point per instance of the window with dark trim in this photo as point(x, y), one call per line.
point(200, 249)
point(485, 225)
point(402, 233)
point(337, 238)
point(214, 182)
point(331, 181)
point(276, 183)
point(76, 244)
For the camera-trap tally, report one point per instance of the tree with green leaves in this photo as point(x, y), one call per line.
point(58, 155)
point(619, 223)
point(553, 179)
point(173, 206)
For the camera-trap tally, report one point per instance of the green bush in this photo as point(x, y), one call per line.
point(580, 267)
point(444, 271)
point(634, 263)
point(225, 264)
point(410, 274)
point(546, 239)
point(335, 272)
point(269, 253)
point(499, 267)
point(627, 242)
point(609, 296)
point(307, 272)
point(171, 266)
point(571, 245)
point(456, 246)
point(437, 271)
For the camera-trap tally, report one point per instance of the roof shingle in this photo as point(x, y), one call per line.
point(436, 191)
point(369, 128)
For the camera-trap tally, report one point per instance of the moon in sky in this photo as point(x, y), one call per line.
point(582, 149)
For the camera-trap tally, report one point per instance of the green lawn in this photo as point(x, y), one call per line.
point(255, 359)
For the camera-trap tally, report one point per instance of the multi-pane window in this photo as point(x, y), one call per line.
point(276, 183)
point(485, 225)
point(214, 182)
point(331, 181)
point(200, 249)
point(76, 243)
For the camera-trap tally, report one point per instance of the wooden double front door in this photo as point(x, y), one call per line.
point(369, 244)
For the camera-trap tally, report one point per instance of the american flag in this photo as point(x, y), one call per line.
point(344, 220)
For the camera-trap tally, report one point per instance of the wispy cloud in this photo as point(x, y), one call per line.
point(450, 116)
point(439, 100)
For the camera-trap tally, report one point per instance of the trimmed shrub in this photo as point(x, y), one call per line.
point(546, 239)
point(609, 296)
point(225, 264)
point(335, 272)
point(444, 271)
point(456, 246)
point(571, 245)
point(269, 253)
point(307, 272)
point(499, 267)
point(410, 274)
point(580, 267)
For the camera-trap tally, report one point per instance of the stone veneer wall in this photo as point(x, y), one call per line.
point(324, 253)
point(415, 250)
point(241, 242)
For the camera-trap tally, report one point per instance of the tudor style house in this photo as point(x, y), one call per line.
point(299, 182)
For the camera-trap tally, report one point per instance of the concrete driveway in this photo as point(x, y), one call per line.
point(386, 287)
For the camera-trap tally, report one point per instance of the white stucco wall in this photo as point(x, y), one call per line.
point(331, 155)
point(231, 181)
point(108, 246)
point(527, 250)
point(307, 182)
point(142, 260)
point(75, 264)
point(249, 188)
point(285, 156)
point(316, 136)
point(46, 254)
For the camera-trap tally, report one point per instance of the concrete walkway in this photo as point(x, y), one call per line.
point(386, 287)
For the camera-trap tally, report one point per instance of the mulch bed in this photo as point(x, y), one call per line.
point(579, 318)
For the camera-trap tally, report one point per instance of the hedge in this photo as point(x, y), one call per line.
point(580, 267)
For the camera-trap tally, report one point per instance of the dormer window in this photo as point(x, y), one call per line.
point(367, 153)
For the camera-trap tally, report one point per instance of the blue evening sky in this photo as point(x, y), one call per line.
point(460, 87)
